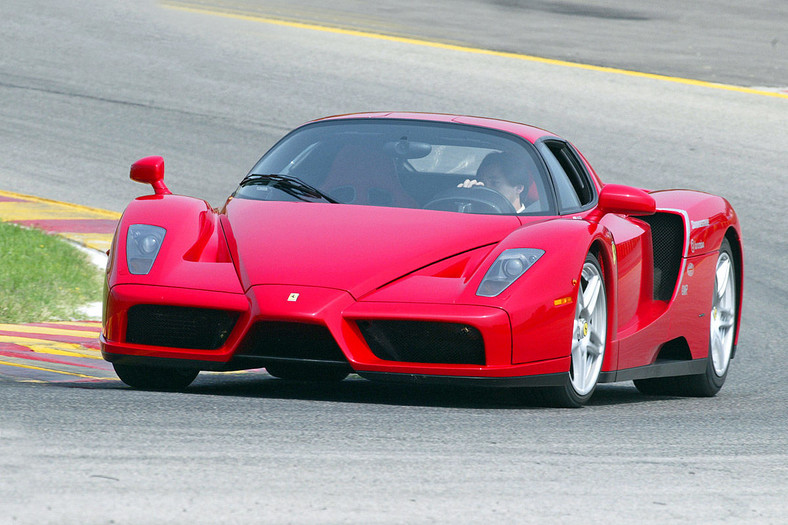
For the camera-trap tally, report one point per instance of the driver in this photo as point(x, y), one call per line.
point(502, 172)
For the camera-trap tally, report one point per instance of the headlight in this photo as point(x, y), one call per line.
point(510, 265)
point(142, 246)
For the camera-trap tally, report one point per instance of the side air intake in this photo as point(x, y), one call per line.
point(667, 236)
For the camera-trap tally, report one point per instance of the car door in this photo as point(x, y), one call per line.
point(634, 299)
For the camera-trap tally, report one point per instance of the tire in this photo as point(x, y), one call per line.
point(155, 378)
point(722, 333)
point(307, 372)
point(589, 340)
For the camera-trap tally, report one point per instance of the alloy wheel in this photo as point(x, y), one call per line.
point(723, 314)
point(590, 330)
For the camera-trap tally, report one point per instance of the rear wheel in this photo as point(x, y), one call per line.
point(306, 372)
point(588, 339)
point(722, 334)
point(155, 378)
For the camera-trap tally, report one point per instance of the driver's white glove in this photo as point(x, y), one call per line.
point(470, 183)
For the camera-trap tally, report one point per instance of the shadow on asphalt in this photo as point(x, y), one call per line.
point(357, 390)
point(361, 391)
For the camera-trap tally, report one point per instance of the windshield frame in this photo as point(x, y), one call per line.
point(548, 201)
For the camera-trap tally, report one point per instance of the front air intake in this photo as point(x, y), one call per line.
point(424, 342)
point(292, 341)
point(179, 326)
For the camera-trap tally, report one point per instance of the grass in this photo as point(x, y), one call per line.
point(43, 277)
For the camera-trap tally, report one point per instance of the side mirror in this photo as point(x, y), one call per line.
point(615, 198)
point(150, 170)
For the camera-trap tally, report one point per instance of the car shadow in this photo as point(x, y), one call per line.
point(360, 391)
point(258, 384)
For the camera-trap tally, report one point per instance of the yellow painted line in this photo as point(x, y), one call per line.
point(79, 211)
point(42, 346)
point(28, 211)
point(41, 349)
point(473, 50)
point(27, 341)
point(26, 329)
point(97, 324)
point(30, 367)
point(95, 241)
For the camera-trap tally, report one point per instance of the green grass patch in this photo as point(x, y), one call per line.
point(43, 277)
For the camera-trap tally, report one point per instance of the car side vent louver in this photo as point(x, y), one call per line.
point(179, 327)
point(424, 342)
point(667, 234)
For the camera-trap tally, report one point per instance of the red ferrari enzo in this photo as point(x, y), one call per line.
point(426, 248)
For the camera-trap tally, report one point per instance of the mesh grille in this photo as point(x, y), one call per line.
point(179, 327)
point(424, 342)
point(288, 340)
point(667, 235)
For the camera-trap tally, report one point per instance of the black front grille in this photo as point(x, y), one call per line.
point(424, 342)
point(291, 340)
point(179, 327)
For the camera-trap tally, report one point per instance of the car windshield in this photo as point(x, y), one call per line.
point(403, 163)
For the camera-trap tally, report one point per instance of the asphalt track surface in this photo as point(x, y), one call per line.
point(86, 89)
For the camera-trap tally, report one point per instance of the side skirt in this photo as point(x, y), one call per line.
point(662, 368)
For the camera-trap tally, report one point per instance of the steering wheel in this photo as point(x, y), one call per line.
point(477, 199)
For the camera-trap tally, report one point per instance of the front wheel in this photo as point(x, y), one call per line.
point(588, 339)
point(155, 378)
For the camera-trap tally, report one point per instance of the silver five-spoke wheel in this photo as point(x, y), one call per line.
point(723, 314)
point(590, 330)
point(589, 337)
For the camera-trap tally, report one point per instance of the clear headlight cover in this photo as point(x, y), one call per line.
point(506, 269)
point(142, 246)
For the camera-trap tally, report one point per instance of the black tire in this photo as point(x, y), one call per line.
point(701, 385)
point(710, 382)
point(155, 378)
point(589, 341)
point(307, 372)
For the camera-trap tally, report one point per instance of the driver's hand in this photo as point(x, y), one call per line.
point(470, 183)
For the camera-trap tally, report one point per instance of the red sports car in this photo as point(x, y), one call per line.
point(427, 248)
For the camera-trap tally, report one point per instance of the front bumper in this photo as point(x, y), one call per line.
point(327, 327)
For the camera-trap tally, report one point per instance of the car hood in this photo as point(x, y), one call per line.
point(347, 247)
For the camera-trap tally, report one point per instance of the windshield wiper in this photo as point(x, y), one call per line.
point(290, 185)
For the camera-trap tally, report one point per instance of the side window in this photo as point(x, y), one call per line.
point(572, 184)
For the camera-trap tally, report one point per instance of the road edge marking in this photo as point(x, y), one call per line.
point(106, 213)
point(473, 50)
point(20, 365)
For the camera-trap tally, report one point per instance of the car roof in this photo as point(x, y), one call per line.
point(529, 133)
